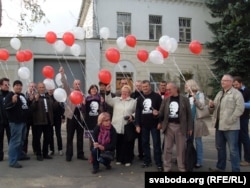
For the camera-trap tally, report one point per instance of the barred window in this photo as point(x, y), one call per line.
point(155, 27)
point(123, 24)
point(185, 29)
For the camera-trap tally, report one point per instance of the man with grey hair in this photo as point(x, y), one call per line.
point(227, 108)
point(175, 117)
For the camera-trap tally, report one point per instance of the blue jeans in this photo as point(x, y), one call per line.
point(231, 137)
point(18, 133)
point(244, 139)
point(155, 133)
point(97, 159)
point(199, 150)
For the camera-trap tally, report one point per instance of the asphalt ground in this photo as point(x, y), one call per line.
point(57, 172)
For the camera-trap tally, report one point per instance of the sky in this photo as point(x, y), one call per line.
point(62, 14)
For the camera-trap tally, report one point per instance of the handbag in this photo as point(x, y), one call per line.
point(190, 155)
point(108, 155)
point(130, 132)
point(203, 113)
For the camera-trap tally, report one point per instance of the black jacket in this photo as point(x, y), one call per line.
point(16, 112)
point(110, 146)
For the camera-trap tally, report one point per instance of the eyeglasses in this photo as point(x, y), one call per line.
point(7, 85)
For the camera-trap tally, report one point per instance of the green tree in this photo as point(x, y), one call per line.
point(31, 13)
point(230, 47)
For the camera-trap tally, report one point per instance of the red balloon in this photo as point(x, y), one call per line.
point(142, 55)
point(68, 38)
point(113, 55)
point(131, 40)
point(20, 56)
point(76, 97)
point(51, 37)
point(28, 55)
point(195, 47)
point(163, 52)
point(4, 54)
point(48, 72)
point(105, 76)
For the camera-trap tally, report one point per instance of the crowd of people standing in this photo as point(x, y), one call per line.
point(114, 121)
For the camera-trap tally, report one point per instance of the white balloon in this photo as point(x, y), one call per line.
point(60, 95)
point(49, 84)
point(79, 33)
point(156, 57)
point(58, 79)
point(23, 73)
point(15, 43)
point(121, 42)
point(75, 50)
point(174, 45)
point(163, 42)
point(59, 46)
point(104, 33)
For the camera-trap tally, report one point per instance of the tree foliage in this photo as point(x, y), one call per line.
point(31, 13)
point(230, 45)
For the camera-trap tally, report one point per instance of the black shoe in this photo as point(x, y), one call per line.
point(160, 169)
point(83, 158)
point(95, 171)
point(47, 157)
point(39, 158)
point(25, 158)
point(145, 165)
point(68, 158)
point(16, 165)
point(108, 167)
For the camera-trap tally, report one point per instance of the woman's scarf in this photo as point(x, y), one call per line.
point(104, 135)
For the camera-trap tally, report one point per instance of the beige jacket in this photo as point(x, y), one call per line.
point(231, 108)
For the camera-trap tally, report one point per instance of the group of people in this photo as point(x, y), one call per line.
point(114, 121)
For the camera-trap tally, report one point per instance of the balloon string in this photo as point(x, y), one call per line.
point(209, 70)
point(175, 64)
point(3, 69)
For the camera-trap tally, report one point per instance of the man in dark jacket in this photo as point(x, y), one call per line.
point(147, 122)
point(17, 112)
point(4, 124)
point(42, 109)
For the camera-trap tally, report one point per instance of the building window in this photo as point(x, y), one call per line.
point(155, 27)
point(155, 79)
point(185, 29)
point(123, 24)
point(121, 75)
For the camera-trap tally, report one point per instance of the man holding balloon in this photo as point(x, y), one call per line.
point(74, 113)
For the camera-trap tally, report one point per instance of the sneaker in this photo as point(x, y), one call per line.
point(182, 170)
point(160, 169)
point(127, 164)
point(39, 158)
point(118, 163)
point(215, 170)
point(197, 166)
point(144, 165)
point(244, 163)
point(82, 158)
point(16, 165)
point(51, 153)
point(94, 171)
point(60, 152)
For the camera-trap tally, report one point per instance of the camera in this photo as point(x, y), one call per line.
point(126, 117)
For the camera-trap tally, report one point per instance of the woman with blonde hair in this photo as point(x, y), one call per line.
point(123, 118)
point(104, 139)
point(197, 102)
